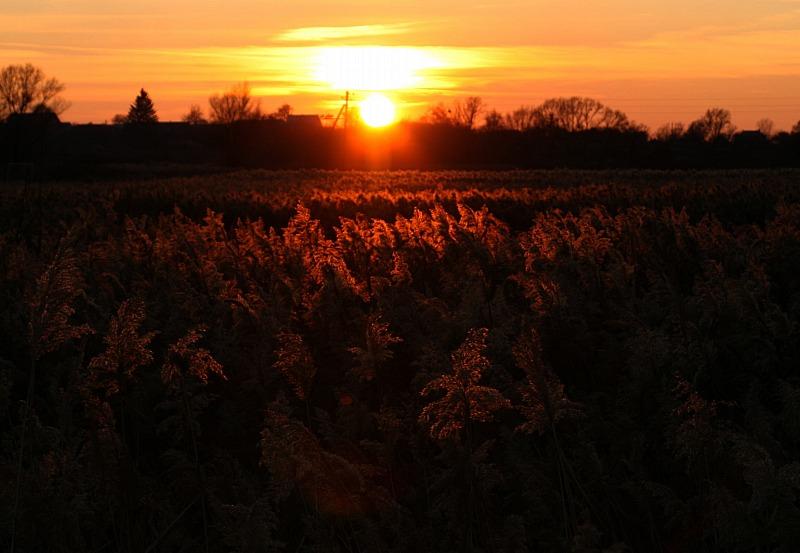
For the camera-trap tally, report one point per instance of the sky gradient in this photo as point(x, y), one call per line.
point(657, 61)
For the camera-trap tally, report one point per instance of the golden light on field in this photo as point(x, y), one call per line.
point(373, 67)
point(377, 110)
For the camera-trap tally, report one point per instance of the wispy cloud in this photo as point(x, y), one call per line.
point(318, 34)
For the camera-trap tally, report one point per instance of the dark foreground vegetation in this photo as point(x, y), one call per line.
point(368, 362)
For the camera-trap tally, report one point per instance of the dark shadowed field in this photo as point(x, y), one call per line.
point(390, 362)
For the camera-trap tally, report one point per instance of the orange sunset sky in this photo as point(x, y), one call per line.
point(658, 61)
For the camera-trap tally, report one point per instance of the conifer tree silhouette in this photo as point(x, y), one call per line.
point(142, 109)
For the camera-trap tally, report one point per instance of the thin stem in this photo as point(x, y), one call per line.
point(188, 420)
point(18, 487)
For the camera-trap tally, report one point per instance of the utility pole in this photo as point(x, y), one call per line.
point(344, 110)
point(346, 107)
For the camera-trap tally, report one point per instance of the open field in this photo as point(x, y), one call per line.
point(446, 361)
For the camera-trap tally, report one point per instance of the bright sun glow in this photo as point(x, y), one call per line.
point(377, 110)
point(373, 67)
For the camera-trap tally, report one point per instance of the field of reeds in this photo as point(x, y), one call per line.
point(390, 362)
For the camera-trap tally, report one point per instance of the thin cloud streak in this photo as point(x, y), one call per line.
point(318, 34)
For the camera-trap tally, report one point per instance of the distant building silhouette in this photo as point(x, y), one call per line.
point(29, 135)
point(304, 121)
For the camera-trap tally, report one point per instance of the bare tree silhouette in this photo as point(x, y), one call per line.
point(466, 112)
point(766, 127)
point(235, 105)
point(493, 121)
point(522, 118)
point(573, 114)
point(670, 131)
point(716, 123)
point(580, 114)
point(282, 113)
point(438, 115)
point(194, 116)
point(24, 89)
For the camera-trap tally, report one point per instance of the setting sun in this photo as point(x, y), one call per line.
point(377, 110)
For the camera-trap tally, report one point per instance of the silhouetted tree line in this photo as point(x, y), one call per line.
point(560, 132)
point(274, 143)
